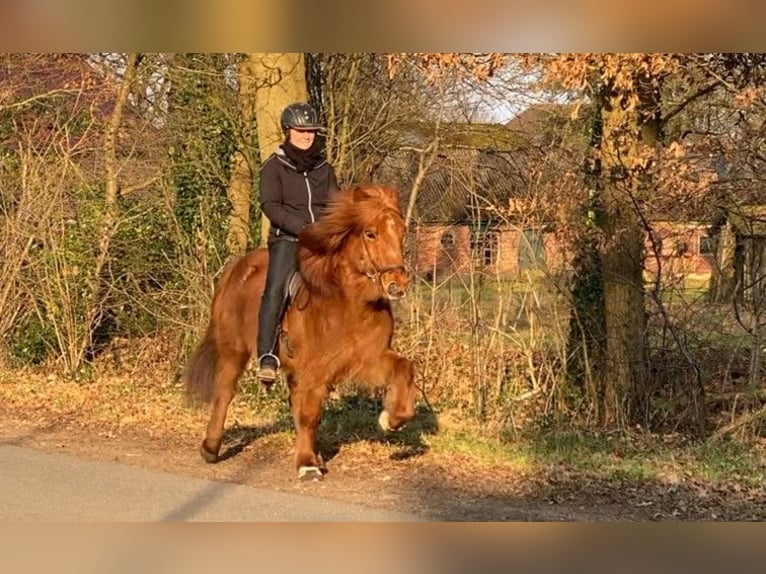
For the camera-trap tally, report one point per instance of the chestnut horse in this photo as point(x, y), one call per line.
point(337, 327)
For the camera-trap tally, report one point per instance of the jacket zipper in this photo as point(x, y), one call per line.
point(308, 190)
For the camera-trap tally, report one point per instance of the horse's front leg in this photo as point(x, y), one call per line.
point(398, 374)
point(306, 406)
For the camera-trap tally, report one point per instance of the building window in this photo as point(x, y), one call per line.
point(448, 240)
point(707, 245)
point(490, 249)
point(656, 242)
point(484, 247)
point(531, 250)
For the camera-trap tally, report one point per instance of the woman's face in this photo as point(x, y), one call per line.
point(302, 139)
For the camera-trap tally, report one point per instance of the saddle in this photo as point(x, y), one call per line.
point(291, 290)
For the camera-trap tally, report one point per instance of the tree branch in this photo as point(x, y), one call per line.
point(681, 106)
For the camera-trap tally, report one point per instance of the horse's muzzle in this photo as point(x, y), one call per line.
point(395, 291)
point(395, 283)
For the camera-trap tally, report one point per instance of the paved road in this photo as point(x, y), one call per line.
point(41, 486)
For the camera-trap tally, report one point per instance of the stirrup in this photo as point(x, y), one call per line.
point(267, 374)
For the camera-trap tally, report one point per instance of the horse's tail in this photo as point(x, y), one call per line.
point(200, 370)
point(199, 377)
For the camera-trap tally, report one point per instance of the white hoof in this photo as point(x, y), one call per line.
point(310, 473)
point(384, 422)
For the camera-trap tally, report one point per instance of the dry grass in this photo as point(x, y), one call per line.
point(150, 400)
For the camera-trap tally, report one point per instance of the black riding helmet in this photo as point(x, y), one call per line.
point(300, 116)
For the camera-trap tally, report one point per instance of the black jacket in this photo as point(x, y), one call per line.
point(292, 199)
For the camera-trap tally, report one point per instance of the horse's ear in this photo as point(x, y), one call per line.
point(392, 195)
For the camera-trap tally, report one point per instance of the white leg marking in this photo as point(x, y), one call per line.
point(314, 472)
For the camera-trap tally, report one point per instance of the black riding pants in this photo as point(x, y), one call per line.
point(282, 263)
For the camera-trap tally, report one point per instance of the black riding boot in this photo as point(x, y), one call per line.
point(282, 264)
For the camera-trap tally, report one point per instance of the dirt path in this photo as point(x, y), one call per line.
point(435, 486)
point(401, 476)
point(363, 474)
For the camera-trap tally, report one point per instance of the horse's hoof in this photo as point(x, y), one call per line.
point(385, 422)
point(210, 457)
point(310, 474)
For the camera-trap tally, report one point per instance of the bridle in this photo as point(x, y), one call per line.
point(377, 272)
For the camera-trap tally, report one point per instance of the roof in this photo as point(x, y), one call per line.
point(461, 186)
point(482, 136)
point(479, 169)
point(538, 118)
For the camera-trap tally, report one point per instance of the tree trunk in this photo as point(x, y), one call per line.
point(241, 177)
point(110, 141)
point(280, 81)
point(108, 225)
point(755, 296)
point(346, 72)
point(627, 136)
point(624, 379)
point(725, 276)
point(587, 329)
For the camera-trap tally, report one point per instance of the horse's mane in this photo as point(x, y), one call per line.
point(321, 243)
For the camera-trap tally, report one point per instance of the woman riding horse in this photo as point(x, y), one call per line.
point(295, 185)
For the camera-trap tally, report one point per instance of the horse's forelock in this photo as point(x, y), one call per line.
point(377, 196)
point(350, 211)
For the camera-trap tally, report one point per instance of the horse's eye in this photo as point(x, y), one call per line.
point(370, 234)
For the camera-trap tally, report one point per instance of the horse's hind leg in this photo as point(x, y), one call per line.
point(228, 371)
point(306, 407)
point(399, 402)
